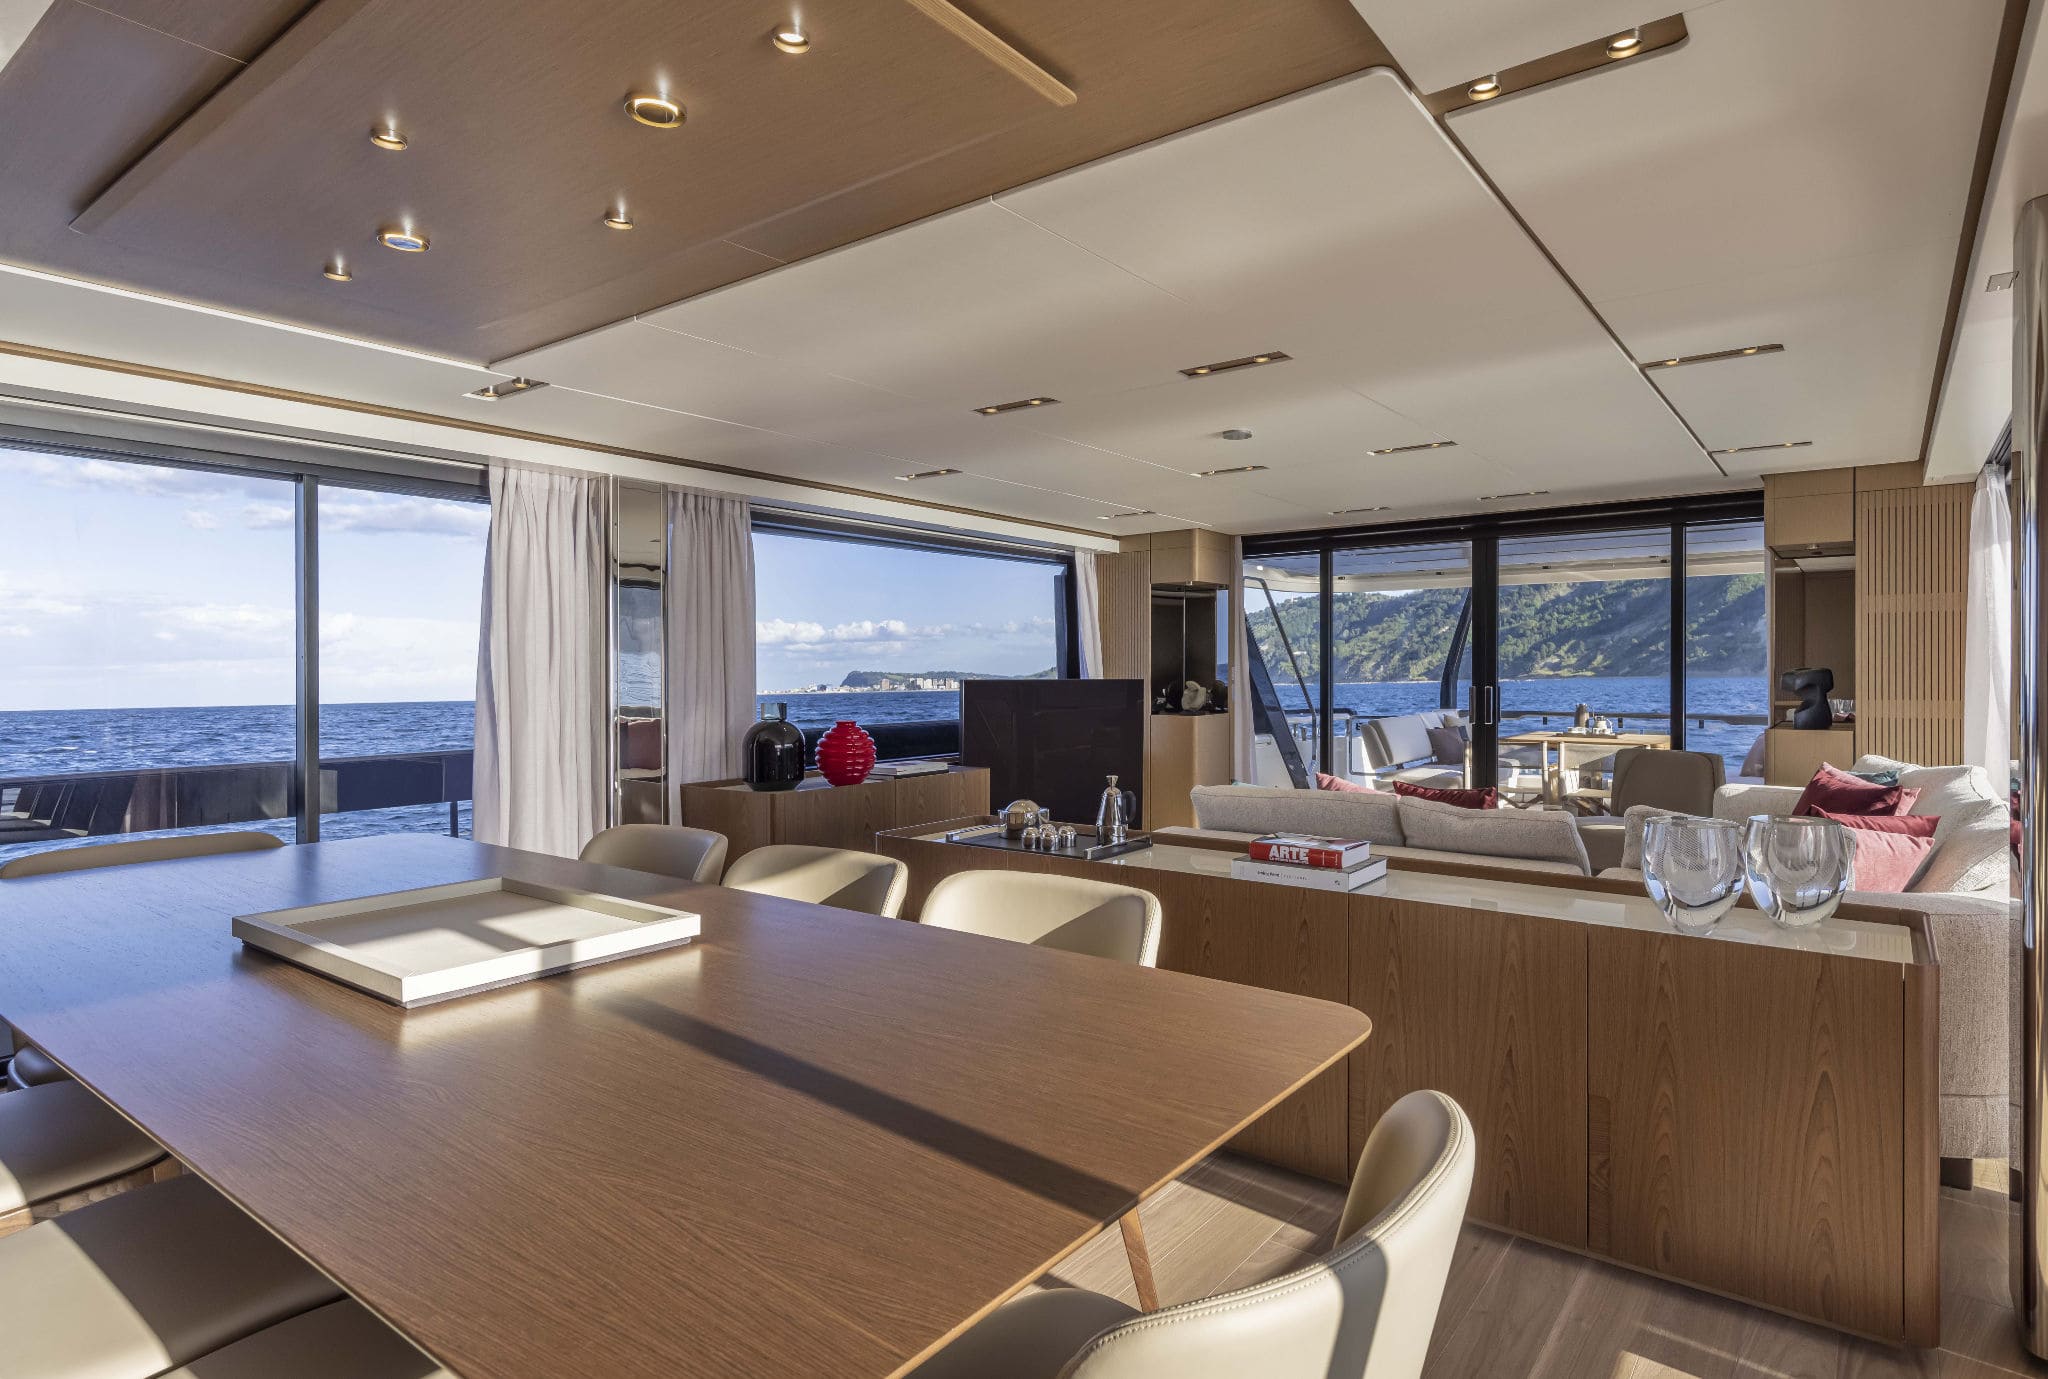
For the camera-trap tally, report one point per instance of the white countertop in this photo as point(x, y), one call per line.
point(1841, 937)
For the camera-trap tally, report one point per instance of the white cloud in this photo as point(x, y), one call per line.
point(201, 519)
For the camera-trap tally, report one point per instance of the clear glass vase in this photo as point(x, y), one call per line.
point(1798, 867)
point(1693, 869)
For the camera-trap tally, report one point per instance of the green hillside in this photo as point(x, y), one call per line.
point(1613, 628)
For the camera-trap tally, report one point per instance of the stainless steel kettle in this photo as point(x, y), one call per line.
point(1113, 817)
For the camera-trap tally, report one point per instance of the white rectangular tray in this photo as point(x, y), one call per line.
point(419, 946)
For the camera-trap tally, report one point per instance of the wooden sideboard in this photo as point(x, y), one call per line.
point(1753, 1118)
point(826, 815)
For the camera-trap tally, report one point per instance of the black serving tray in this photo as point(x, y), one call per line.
point(1085, 847)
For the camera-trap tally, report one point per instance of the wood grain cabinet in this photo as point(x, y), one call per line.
point(1192, 556)
point(824, 815)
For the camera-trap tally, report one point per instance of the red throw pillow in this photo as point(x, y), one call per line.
point(1837, 792)
point(1338, 783)
point(1907, 825)
point(1464, 799)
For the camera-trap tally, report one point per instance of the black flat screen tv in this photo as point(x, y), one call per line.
point(1055, 741)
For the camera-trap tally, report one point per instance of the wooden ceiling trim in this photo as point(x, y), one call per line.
point(964, 27)
point(1579, 60)
point(237, 29)
point(312, 29)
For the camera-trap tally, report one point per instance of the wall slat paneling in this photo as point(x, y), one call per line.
point(1911, 578)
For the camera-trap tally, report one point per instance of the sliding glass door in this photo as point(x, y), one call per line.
point(1546, 642)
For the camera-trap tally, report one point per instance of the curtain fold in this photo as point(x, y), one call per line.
point(1088, 613)
point(1987, 638)
point(542, 694)
point(709, 668)
point(1242, 765)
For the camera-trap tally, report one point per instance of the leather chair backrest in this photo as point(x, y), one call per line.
point(1399, 740)
point(1065, 912)
point(1363, 1311)
point(1682, 781)
point(139, 850)
point(839, 877)
point(694, 854)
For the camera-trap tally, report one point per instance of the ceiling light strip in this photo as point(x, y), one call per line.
point(1608, 50)
point(1234, 469)
point(926, 474)
point(1249, 361)
point(1356, 512)
point(1680, 360)
point(1525, 493)
point(1407, 449)
point(1020, 405)
point(1751, 449)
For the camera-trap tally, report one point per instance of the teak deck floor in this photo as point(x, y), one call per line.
point(1514, 1307)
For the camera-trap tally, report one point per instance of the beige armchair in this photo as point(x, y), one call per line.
point(846, 880)
point(342, 1340)
point(694, 854)
point(1364, 1311)
point(1093, 917)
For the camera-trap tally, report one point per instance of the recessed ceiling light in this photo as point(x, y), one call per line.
point(1404, 449)
point(1713, 357)
point(1484, 89)
point(1019, 405)
point(1352, 512)
point(388, 138)
point(618, 220)
point(1240, 469)
point(1235, 433)
point(1748, 449)
point(658, 111)
point(791, 38)
point(337, 271)
point(925, 474)
point(404, 241)
point(507, 388)
point(1249, 361)
point(1625, 45)
point(1525, 493)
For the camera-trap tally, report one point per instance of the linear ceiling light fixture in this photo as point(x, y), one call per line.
point(1591, 56)
point(1249, 361)
point(1743, 353)
point(1405, 449)
point(657, 112)
point(1749, 449)
point(1353, 512)
point(511, 387)
point(1119, 516)
point(1020, 405)
point(1237, 469)
point(1525, 493)
point(791, 38)
point(925, 474)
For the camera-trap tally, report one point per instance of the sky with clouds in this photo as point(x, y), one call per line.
point(129, 585)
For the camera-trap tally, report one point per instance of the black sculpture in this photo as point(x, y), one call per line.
point(1811, 684)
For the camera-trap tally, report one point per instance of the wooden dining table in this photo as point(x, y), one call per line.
point(809, 1142)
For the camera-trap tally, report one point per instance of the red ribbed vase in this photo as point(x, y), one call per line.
point(846, 753)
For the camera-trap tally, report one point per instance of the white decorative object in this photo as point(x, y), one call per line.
point(1193, 698)
point(419, 946)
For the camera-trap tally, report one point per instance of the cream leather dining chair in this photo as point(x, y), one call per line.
point(1067, 912)
point(29, 1067)
point(694, 854)
point(60, 1144)
point(143, 1282)
point(838, 877)
point(1363, 1311)
point(342, 1340)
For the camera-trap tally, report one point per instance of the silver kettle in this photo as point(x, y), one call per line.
point(1113, 817)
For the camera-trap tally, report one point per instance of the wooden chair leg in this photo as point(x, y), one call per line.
point(1141, 1261)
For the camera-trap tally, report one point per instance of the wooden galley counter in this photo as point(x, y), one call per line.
point(1752, 1112)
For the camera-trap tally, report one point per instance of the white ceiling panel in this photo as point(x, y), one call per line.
point(1040, 316)
point(112, 323)
point(1427, 478)
point(1442, 43)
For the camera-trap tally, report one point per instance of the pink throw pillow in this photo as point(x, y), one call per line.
point(1342, 786)
point(1464, 799)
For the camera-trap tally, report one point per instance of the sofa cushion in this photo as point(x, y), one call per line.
point(1488, 798)
point(1972, 850)
point(1943, 789)
point(1834, 791)
point(1887, 862)
point(1326, 781)
point(1403, 739)
point(1541, 835)
point(1255, 809)
point(1633, 819)
point(1447, 746)
point(1909, 825)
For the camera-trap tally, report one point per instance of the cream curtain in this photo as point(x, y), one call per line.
point(1987, 639)
point(1088, 611)
point(1242, 765)
point(542, 691)
point(709, 668)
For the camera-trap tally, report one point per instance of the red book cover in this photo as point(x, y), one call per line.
point(1306, 850)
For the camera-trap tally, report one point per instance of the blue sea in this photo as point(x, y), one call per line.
point(53, 742)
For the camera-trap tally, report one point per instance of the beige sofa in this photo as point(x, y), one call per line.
point(1966, 894)
point(1529, 840)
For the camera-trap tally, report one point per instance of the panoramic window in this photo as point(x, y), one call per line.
point(884, 634)
point(1727, 692)
point(1283, 603)
point(146, 630)
point(400, 576)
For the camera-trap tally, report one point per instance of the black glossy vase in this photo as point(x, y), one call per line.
point(772, 752)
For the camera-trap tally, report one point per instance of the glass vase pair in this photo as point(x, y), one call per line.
point(1795, 867)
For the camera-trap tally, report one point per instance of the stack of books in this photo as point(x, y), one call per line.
point(896, 770)
point(1322, 864)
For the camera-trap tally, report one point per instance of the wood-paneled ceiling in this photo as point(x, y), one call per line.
point(217, 150)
